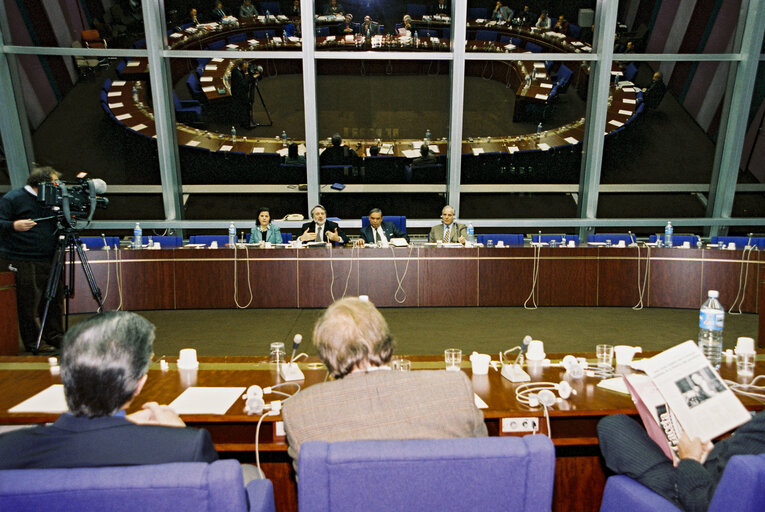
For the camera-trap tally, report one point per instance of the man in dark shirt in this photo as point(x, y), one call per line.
point(104, 365)
point(28, 238)
point(241, 82)
point(338, 154)
point(426, 157)
point(654, 93)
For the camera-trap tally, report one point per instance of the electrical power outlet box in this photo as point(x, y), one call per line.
point(520, 424)
point(279, 429)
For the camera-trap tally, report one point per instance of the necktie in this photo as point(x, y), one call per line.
point(320, 234)
point(381, 235)
point(446, 234)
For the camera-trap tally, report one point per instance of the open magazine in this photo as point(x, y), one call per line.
point(682, 392)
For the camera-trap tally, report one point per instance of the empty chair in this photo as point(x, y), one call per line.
point(416, 10)
point(237, 38)
point(322, 31)
point(120, 68)
point(630, 72)
point(85, 65)
point(164, 241)
point(195, 88)
point(504, 39)
point(614, 238)
point(286, 237)
point(217, 45)
point(477, 13)
point(740, 241)
point(741, 488)
point(262, 34)
point(677, 239)
point(563, 77)
point(336, 174)
point(222, 240)
point(485, 35)
point(546, 239)
point(475, 473)
point(434, 173)
point(517, 41)
point(107, 85)
point(189, 486)
point(398, 220)
point(187, 111)
point(574, 31)
point(271, 7)
point(92, 39)
point(507, 239)
point(384, 169)
point(292, 173)
point(98, 242)
point(533, 48)
point(428, 32)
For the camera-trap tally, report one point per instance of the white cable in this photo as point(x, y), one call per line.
point(332, 271)
point(745, 260)
point(547, 418)
point(249, 282)
point(646, 273)
point(118, 275)
point(758, 395)
point(535, 275)
point(106, 293)
point(257, 438)
point(400, 280)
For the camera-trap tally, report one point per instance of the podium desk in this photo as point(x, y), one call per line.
point(579, 476)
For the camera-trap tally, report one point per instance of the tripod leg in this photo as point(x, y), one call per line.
point(262, 102)
point(52, 287)
point(94, 289)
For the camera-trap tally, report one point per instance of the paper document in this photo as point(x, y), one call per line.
point(114, 93)
point(206, 79)
point(123, 117)
point(258, 150)
point(217, 59)
point(226, 147)
point(477, 151)
point(512, 149)
point(133, 63)
point(479, 402)
point(539, 65)
point(116, 105)
point(625, 112)
point(541, 96)
point(209, 88)
point(284, 151)
point(628, 101)
point(138, 127)
point(50, 400)
point(617, 73)
point(211, 67)
point(202, 400)
point(545, 86)
point(571, 140)
point(616, 123)
point(543, 146)
point(118, 83)
point(411, 153)
point(193, 143)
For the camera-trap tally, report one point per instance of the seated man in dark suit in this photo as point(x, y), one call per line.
point(218, 13)
point(338, 154)
point(627, 449)
point(333, 8)
point(426, 157)
point(654, 93)
point(369, 28)
point(441, 7)
point(104, 366)
point(322, 230)
point(193, 18)
point(379, 231)
point(366, 400)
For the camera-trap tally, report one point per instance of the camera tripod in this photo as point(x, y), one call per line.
point(251, 93)
point(68, 243)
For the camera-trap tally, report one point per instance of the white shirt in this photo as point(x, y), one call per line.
point(380, 235)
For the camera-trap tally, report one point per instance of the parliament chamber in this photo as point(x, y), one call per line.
point(529, 130)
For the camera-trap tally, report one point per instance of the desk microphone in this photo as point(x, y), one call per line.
point(295, 343)
point(632, 238)
point(524, 348)
point(290, 371)
point(749, 242)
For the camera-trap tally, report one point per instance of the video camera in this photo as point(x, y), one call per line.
point(73, 201)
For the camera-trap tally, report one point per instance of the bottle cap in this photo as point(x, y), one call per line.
point(713, 293)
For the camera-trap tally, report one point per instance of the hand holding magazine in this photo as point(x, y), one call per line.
point(681, 392)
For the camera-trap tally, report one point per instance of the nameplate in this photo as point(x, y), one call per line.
point(206, 79)
point(193, 143)
point(616, 123)
point(138, 127)
point(116, 105)
point(123, 116)
point(571, 140)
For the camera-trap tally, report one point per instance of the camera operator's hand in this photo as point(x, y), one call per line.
point(23, 224)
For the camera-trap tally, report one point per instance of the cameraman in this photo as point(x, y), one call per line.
point(27, 248)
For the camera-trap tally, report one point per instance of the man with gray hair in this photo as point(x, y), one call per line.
point(448, 231)
point(366, 400)
point(104, 365)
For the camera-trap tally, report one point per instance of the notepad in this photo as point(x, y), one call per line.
point(512, 149)
point(628, 101)
point(203, 400)
point(477, 151)
point(193, 143)
point(116, 105)
point(118, 83)
point(49, 400)
point(571, 140)
point(211, 67)
point(113, 94)
point(625, 112)
point(138, 127)
point(258, 150)
point(133, 63)
point(226, 147)
point(209, 88)
point(616, 123)
point(206, 79)
point(543, 146)
point(123, 116)
point(545, 86)
point(541, 96)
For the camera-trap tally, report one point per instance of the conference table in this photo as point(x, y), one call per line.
point(579, 475)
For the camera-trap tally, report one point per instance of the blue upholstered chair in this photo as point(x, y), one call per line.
point(398, 220)
point(485, 35)
point(563, 77)
point(477, 13)
point(484, 473)
point(741, 488)
point(165, 241)
point(195, 88)
point(286, 237)
point(615, 238)
point(546, 239)
point(271, 7)
point(533, 47)
point(97, 242)
point(187, 111)
point(740, 241)
point(322, 31)
point(191, 487)
point(677, 239)
point(630, 72)
point(217, 45)
point(416, 10)
point(208, 239)
point(574, 31)
point(507, 239)
point(237, 38)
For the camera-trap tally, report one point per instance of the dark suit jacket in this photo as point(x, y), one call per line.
point(389, 228)
point(328, 226)
point(425, 160)
point(107, 441)
point(338, 155)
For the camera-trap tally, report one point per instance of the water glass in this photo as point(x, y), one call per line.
point(490, 243)
point(453, 359)
point(745, 363)
point(277, 355)
point(605, 355)
point(401, 365)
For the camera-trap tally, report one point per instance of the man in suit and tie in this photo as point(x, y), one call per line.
point(322, 230)
point(104, 365)
point(379, 231)
point(218, 13)
point(366, 399)
point(442, 7)
point(448, 231)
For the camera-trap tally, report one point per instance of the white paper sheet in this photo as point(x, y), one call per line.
point(541, 96)
point(571, 140)
point(209, 88)
point(477, 151)
point(116, 105)
point(625, 112)
point(543, 146)
point(133, 63)
point(206, 79)
point(512, 149)
point(259, 150)
point(118, 83)
point(479, 402)
point(211, 67)
point(226, 147)
point(123, 117)
point(545, 86)
point(203, 400)
point(628, 101)
point(50, 400)
point(411, 153)
point(616, 123)
point(114, 93)
point(193, 143)
point(138, 127)
point(218, 59)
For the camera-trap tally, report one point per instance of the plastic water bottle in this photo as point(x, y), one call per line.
point(711, 320)
point(233, 133)
point(268, 15)
point(137, 236)
point(135, 93)
point(231, 235)
point(284, 138)
point(668, 230)
point(539, 128)
point(616, 81)
point(427, 137)
point(471, 234)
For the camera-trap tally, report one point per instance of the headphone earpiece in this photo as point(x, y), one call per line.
point(254, 400)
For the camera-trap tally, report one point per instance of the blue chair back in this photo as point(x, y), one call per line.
point(107, 85)
point(574, 31)
point(507, 239)
point(485, 35)
point(615, 238)
point(271, 7)
point(477, 13)
point(398, 220)
point(97, 242)
point(189, 486)
point(740, 241)
point(165, 241)
point(286, 237)
point(630, 72)
point(217, 45)
point(416, 10)
point(428, 32)
point(533, 47)
point(677, 239)
point(322, 31)
point(410, 475)
point(546, 239)
point(237, 38)
point(208, 239)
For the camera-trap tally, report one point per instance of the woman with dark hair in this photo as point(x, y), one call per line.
point(265, 231)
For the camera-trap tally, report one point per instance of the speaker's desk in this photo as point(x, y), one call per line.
point(579, 477)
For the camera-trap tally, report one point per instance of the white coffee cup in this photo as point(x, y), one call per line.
point(621, 243)
point(744, 345)
point(365, 298)
point(187, 359)
point(480, 363)
point(686, 245)
point(214, 244)
point(625, 353)
point(500, 243)
point(536, 351)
